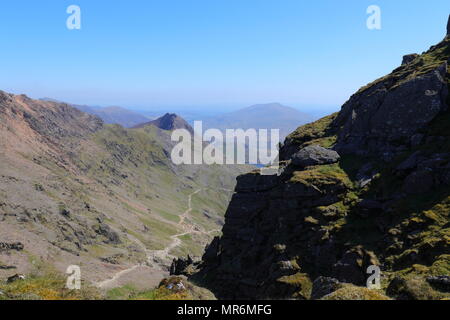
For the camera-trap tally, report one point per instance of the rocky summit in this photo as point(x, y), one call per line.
point(368, 186)
point(169, 122)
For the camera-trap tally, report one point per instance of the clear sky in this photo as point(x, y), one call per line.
point(208, 53)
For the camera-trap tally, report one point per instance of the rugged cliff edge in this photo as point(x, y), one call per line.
point(369, 185)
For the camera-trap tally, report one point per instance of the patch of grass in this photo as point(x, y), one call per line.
point(423, 64)
point(300, 282)
point(162, 292)
point(318, 132)
point(121, 293)
point(413, 287)
point(322, 175)
point(51, 286)
point(351, 292)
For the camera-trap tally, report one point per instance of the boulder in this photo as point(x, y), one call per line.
point(15, 278)
point(441, 282)
point(315, 155)
point(409, 58)
point(105, 230)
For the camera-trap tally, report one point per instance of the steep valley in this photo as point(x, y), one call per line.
point(74, 191)
point(361, 190)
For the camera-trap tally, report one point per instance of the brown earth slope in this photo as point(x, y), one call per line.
point(76, 191)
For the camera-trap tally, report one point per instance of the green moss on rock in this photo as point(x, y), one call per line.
point(351, 292)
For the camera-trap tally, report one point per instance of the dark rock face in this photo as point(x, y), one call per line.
point(409, 58)
point(448, 26)
point(331, 222)
point(351, 268)
point(110, 235)
point(17, 246)
point(251, 259)
point(442, 282)
point(182, 266)
point(380, 118)
point(315, 155)
point(323, 286)
point(419, 182)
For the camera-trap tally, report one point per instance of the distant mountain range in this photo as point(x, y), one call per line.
point(111, 115)
point(260, 116)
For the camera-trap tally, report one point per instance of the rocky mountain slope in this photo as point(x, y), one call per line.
point(74, 191)
point(115, 115)
point(369, 185)
point(110, 115)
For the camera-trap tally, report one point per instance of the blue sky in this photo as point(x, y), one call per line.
point(209, 54)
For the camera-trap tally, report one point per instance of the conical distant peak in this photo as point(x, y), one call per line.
point(169, 121)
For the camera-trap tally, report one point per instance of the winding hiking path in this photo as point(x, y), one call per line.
point(156, 257)
point(165, 253)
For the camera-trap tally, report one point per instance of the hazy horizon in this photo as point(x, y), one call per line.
point(215, 57)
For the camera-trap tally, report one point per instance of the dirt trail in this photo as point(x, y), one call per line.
point(156, 258)
point(164, 254)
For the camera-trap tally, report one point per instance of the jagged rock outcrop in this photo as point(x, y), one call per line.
point(409, 58)
point(442, 282)
point(323, 286)
point(169, 122)
point(448, 26)
point(16, 246)
point(183, 266)
point(382, 118)
point(384, 200)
